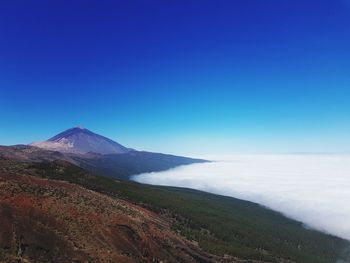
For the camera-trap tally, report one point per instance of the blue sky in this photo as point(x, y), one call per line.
point(187, 77)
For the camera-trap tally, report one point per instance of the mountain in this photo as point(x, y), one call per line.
point(81, 140)
point(96, 154)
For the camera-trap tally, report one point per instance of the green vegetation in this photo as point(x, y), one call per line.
point(221, 225)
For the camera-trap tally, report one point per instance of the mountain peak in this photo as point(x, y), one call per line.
point(70, 132)
point(81, 140)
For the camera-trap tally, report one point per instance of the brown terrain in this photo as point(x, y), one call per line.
point(53, 221)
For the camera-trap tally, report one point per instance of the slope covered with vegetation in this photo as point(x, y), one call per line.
point(221, 225)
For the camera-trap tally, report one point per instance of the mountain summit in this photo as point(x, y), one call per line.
point(81, 140)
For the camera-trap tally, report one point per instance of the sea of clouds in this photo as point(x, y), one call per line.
point(314, 189)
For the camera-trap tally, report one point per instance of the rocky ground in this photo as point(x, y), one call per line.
point(51, 221)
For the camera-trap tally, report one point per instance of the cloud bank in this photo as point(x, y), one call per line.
point(314, 189)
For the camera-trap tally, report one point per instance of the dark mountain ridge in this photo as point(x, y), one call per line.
point(117, 166)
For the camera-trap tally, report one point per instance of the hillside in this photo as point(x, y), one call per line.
point(219, 225)
point(52, 221)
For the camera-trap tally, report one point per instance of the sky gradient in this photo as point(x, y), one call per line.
point(185, 77)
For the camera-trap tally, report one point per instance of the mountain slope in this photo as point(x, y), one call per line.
point(219, 225)
point(81, 140)
point(52, 221)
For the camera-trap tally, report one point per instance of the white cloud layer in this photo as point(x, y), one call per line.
point(314, 189)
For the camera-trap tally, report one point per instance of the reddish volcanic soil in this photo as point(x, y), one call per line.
point(51, 221)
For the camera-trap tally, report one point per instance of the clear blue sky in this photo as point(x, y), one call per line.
point(179, 76)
